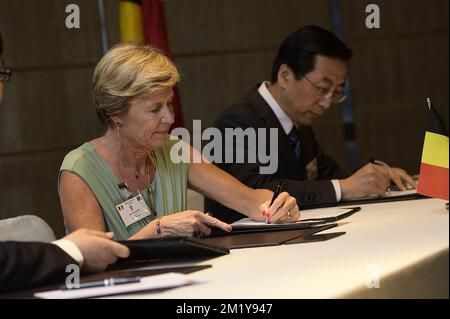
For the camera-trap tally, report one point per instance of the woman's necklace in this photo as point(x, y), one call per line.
point(147, 170)
point(137, 176)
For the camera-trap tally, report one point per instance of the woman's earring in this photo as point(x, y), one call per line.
point(118, 131)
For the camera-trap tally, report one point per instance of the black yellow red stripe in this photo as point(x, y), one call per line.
point(435, 149)
point(433, 181)
point(131, 21)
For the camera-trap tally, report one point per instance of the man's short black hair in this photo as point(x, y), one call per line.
point(300, 48)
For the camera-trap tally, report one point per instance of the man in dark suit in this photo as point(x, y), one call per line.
point(308, 76)
point(31, 264)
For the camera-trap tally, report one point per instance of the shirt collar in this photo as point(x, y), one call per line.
point(286, 123)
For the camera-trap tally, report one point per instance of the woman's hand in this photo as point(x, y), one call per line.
point(190, 223)
point(283, 210)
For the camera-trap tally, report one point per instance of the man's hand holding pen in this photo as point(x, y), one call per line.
point(374, 179)
point(401, 178)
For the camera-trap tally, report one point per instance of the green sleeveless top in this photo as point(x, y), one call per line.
point(169, 186)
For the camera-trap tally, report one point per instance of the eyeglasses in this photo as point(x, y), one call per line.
point(335, 96)
point(5, 75)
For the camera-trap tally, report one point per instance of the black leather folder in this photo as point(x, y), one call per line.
point(171, 248)
point(266, 238)
point(305, 224)
point(381, 199)
point(370, 200)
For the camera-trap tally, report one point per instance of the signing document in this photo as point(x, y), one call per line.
point(156, 282)
point(308, 217)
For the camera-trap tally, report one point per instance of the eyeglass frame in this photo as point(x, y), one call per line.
point(5, 75)
point(326, 95)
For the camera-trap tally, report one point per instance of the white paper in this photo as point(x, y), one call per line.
point(305, 217)
point(168, 280)
point(247, 222)
point(401, 193)
point(319, 213)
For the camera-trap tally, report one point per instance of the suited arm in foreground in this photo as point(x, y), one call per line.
point(32, 264)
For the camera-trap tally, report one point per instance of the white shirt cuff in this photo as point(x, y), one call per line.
point(337, 189)
point(71, 249)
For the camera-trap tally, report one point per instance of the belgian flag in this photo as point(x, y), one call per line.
point(144, 21)
point(433, 177)
point(131, 21)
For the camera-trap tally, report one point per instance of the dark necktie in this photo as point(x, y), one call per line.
point(294, 139)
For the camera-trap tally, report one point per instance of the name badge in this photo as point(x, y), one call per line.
point(133, 210)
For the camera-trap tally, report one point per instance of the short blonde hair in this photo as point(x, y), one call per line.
point(127, 71)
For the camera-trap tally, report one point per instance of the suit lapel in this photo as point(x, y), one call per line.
point(286, 155)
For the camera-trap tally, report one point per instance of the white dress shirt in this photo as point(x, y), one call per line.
point(287, 124)
point(71, 249)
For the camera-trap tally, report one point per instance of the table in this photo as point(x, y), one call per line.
point(400, 247)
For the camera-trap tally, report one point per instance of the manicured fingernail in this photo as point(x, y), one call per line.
point(229, 228)
point(264, 213)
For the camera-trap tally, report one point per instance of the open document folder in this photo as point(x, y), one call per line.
point(309, 218)
point(156, 282)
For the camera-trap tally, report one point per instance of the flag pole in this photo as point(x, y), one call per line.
point(103, 31)
point(429, 102)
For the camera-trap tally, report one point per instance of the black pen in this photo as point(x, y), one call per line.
point(377, 162)
point(107, 282)
point(275, 195)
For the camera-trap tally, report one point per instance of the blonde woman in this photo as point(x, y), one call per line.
point(25, 265)
point(126, 182)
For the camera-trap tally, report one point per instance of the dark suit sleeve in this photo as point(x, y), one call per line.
point(31, 264)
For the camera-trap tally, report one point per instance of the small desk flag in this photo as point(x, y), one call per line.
point(433, 176)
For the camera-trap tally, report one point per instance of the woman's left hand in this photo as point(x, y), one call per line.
point(283, 210)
